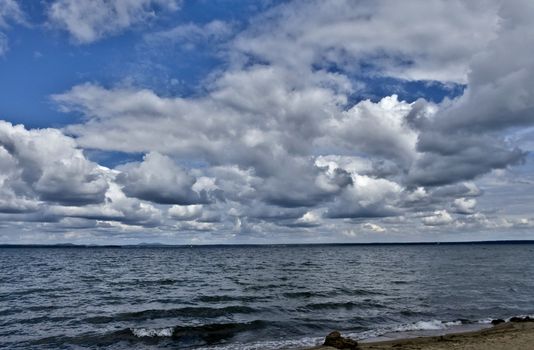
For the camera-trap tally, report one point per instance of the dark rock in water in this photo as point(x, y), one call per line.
point(334, 339)
point(522, 319)
point(497, 321)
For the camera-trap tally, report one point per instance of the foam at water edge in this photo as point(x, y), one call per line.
point(431, 325)
point(152, 332)
point(270, 344)
point(485, 321)
point(427, 326)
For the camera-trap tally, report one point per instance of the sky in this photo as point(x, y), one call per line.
point(221, 122)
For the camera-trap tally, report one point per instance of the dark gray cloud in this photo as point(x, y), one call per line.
point(309, 219)
point(301, 184)
point(501, 85)
point(463, 189)
point(466, 138)
point(340, 211)
point(450, 158)
point(265, 212)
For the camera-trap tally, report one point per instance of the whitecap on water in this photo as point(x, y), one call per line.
point(152, 332)
point(432, 325)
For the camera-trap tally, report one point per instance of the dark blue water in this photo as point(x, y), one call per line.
point(269, 297)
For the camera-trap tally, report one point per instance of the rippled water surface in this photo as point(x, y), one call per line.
point(268, 297)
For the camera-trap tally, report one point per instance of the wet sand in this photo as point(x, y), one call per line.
point(506, 336)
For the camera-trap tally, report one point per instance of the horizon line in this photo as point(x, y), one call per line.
point(164, 245)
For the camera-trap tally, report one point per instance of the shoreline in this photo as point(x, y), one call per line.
point(505, 336)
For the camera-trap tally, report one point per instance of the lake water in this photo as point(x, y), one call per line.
point(252, 297)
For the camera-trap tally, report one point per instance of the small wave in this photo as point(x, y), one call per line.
point(204, 312)
point(181, 336)
point(152, 332)
point(356, 292)
point(342, 305)
point(24, 292)
point(271, 286)
point(305, 294)
point(227, 298)
point(412, 313)
point(311, 294)
point(209, 334)
point(400, 282)
point(147, 283)
point(39, 319)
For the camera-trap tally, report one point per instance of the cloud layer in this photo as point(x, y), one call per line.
point(277, 146)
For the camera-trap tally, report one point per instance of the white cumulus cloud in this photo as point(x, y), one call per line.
point(89, 21)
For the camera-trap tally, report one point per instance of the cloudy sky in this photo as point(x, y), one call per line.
point(196, 121)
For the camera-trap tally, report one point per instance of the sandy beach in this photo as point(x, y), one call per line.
point(506, 336)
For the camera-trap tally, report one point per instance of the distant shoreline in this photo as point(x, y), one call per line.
point(160, 245)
